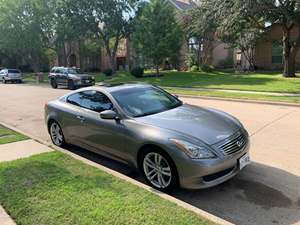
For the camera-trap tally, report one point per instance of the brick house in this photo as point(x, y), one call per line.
point(268, 53)
point(218, 52)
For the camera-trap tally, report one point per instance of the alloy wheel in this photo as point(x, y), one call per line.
point(157, 170)
point(56, 134)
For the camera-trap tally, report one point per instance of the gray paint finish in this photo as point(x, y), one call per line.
point(123, 138)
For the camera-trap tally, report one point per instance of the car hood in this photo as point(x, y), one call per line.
point(207, 125)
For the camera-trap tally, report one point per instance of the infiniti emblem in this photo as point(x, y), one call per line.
point(239, 143)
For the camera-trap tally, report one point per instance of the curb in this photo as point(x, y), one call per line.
point(178, 202)
point(240, 100)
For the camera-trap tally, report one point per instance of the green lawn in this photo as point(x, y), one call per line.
point(268, 82)
point(31, 78)
point(235, 95)
point(53, 188)
point(9, 136)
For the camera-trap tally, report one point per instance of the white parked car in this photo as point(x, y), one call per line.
point(11, 75)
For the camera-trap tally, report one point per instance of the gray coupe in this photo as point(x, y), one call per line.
point(170, 142)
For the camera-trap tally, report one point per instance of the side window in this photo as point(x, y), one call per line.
point(75, 99)
point(95, 101)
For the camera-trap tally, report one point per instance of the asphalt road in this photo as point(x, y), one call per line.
point(266, 192)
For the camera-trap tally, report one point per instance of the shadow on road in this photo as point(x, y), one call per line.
point(249, 198)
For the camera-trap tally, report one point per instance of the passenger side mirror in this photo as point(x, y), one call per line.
point(109, 115)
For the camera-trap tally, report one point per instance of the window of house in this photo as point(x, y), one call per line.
point(277, 53)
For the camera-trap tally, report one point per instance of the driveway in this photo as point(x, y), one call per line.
point(266, 192)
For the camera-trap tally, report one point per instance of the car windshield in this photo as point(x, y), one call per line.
point(74, 71)
point(138, 102)
point(13, 71)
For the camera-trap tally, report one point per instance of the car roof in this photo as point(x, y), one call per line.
point(109, 88)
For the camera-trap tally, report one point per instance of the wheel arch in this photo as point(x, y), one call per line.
point(146, 147)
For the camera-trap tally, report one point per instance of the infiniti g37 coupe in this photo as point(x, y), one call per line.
point(170, 142)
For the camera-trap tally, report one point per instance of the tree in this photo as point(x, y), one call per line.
point(23, 27)
point(108, 20)
point(241, 22)
point(287, 14)
point(157, 34)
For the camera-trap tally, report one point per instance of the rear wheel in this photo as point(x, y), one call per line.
point(53, 83)
point(71, 85)
point(159, 170)
point(56, 134)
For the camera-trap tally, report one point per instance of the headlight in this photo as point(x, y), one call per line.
point(193, 151)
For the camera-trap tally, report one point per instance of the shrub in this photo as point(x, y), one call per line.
point(226, 63)
point(206, 68)
point(194, 68)
point(137, 72)
point(108, 72)
point(190, 60)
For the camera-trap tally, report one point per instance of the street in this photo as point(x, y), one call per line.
point(265, 192)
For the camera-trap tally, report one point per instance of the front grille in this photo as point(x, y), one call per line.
point(235, 144)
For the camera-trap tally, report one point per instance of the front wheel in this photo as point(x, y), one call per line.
point(56, 134)
point(159, 170)
point(71, 85)
point(53, 83)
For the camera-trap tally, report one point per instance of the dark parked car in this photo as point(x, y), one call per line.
point(170, 142)
point(71, 78)
point(11, 75)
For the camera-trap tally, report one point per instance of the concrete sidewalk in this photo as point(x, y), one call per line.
point(21, 149)
point(18, 150)
point(236, 91)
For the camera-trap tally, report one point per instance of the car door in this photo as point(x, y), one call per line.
point(73, 120)
point(101, 134)
point(61, 77)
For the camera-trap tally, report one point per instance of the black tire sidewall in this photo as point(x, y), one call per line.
point(71, 85)
point(174, 180)
point(53, 83)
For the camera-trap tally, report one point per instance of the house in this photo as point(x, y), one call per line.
point(268, 54)
point(72, 54)
point(218, 52)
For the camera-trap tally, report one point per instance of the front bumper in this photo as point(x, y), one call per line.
point(199, 174)
point(13, 78)
point(84, 83)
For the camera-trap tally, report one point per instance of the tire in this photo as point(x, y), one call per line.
point(53, 83)
point(56, 134)
point(159, 170)
point(4, 81)
point(71, 85)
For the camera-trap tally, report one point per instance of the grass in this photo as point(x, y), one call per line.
point(9, 136)
point(53, 188)
point(265, 82)
point(31, 78)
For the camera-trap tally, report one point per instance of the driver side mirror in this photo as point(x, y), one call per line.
point(109, 115)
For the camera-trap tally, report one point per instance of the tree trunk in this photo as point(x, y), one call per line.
point(157, 70)
point(288, 56)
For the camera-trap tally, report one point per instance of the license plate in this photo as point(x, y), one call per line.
point(87, 81)
point(244, 161)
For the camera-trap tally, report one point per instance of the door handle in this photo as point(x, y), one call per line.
point(81, 118)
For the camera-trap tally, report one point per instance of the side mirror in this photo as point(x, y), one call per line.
point(108, 115)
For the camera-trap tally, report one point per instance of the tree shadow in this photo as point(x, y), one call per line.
point(258, 195)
